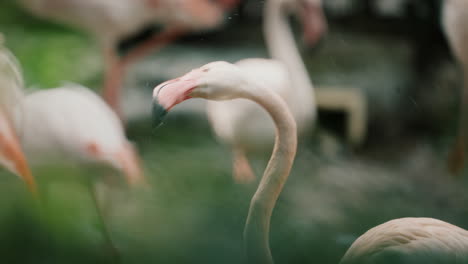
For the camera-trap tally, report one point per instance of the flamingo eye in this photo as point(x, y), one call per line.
point(206, 70)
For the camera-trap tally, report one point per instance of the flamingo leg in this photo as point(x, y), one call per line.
point(113, 80)
point(116, 67)
point(457, 154)
point(242, 171)
point(102, 222)
point(153, 44)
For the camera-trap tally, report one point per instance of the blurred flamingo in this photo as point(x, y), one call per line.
point(73, 124)
point(404, 240)
point(243, 125)
point(455, 21)
point(111, 21)
point(69, 124)
point(11, 155)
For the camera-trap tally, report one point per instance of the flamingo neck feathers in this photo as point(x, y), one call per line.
point(281, 44)
point(256, 232)
point(282, 47)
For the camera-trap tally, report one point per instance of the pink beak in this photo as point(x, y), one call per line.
point(171, 93)
point(11, 154)
point(167, 95)
point(314, 23)
point(131, 165)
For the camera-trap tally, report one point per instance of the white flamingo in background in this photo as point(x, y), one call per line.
point(244, 125)
point(455, 23)
point(405, 240)
point(11, 154)
point(72, 124)
point(111, 21)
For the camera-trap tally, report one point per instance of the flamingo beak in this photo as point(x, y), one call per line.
point(171, 93)
point(314, 22)
point(131, 165)
point(11, 155)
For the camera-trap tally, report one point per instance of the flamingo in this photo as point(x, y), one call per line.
point(11, 155)
point(111, 21)
point(455, 19)
point(410, 240)
point(404, 240)
point(243, 125)
point(70, 124)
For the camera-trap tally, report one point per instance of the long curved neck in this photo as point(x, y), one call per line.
point(281, 44)
point(256, 232)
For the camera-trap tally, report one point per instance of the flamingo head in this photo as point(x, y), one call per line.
point(312, 16)
point(213, 81)
point(124, 159)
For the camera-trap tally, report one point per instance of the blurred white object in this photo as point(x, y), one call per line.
point(68, 123)
point(455, 23)
point(410, 240)
point(72, 123)
point(244, 125)
point(111, 21)
point(11, 83)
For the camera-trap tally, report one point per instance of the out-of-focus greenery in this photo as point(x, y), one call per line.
point(50, 53)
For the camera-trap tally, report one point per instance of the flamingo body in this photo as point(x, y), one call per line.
point(250, 125)
point(408, 241)
point(243, 124)
point(60, 120)
point(111, 20)
point(72, 123)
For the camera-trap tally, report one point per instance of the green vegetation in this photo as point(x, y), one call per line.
point(49, 53)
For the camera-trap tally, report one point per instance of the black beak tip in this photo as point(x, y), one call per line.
point(158, 113)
